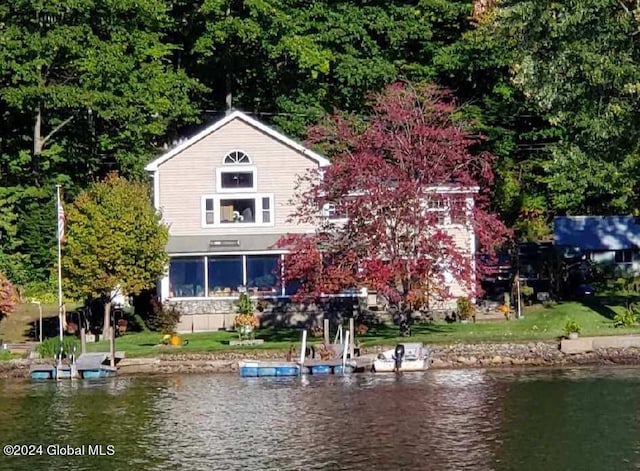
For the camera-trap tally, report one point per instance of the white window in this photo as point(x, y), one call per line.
point(624, 256)
point(438, 207)
point(330, 211)
point(236, 174)
point(226, 209)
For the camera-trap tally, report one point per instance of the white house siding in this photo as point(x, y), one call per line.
point(186, 177)
point(462, 236)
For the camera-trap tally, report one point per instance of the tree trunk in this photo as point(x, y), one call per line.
point(37, 134)
point(227, 76)
point(228, 94)
point(106, 329)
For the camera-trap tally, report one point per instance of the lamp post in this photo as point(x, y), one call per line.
point(40, 311)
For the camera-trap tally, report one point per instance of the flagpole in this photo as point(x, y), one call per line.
point(60, 229)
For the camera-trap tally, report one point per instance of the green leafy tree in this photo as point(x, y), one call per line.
point(85, 87)
point(295, 60)
point(478, 66)
point(577, 64)
point(114, 238)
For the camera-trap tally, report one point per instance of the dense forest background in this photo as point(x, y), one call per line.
point(88, 87)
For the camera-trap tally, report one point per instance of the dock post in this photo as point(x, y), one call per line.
point(83, 340)
point(345, 351)
point(303, 349)
point(112, 341)
point(326, 331)
point(351, 337)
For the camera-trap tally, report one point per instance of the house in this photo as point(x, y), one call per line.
point(608, 240)
point(226, 195)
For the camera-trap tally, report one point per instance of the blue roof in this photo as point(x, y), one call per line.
point(597, 232)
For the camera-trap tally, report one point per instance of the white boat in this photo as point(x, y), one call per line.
point(404, 357)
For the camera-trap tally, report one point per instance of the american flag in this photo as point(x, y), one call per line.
point(60, 219)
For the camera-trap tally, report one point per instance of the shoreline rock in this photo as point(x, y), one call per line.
point(485, 355)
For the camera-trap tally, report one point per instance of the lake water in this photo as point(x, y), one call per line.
point(571, 419)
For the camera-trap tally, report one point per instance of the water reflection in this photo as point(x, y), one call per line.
point(437, 420)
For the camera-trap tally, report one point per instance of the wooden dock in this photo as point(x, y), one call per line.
point(95, 364)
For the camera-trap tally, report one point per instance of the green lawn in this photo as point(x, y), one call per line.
point(22, 324)
point(538, 324)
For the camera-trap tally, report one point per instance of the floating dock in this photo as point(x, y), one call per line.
point(92, 365)
point(341, 360)
point(87, 366)
point(255, 368)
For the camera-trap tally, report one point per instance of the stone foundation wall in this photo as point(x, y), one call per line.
point(215, 314)
point(210, 314)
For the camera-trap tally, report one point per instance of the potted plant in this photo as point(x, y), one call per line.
point(465, 309)
point(572, 329)
point(245, 321)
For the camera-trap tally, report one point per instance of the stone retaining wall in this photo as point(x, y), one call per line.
point(444, 356)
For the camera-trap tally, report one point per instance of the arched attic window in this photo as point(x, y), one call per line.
point(236, 157)
point(236, 174)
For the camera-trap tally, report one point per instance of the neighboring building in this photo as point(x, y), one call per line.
point(226, 194)
point(609, 240)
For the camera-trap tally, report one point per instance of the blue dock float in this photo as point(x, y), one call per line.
point(249, 369)
point(92, 365)
point(287, 370)
point(260, 368)
point(43, 372)
point(95, 373)
point(321, 369)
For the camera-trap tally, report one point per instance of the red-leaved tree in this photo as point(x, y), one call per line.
point(385, 207)
point(8, 296)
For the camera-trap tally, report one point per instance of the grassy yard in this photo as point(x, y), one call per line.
point(22, 324)
point(538, 324)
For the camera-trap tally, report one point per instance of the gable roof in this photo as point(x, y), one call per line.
point(597, 232)
point(153, 166)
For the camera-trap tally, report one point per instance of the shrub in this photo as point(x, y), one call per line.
point(527, 293)
point(8, 296)
point(626, 318)
point(244, 304)
point(572, 326)
point(50, 347)
point(163, 317)
point(464, 308)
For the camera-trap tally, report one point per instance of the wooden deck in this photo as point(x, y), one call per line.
point(95, 360)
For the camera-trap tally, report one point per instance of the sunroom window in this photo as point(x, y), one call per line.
point(225, 276)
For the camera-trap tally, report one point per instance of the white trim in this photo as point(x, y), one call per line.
point(244, 270)
point(470, 202)
point(265, 296)
point(258, 217)
point(451, 189)
point(206, 276)
point(236, 252)
point(164, 286)
point(321, 161)
point(156, 190)
point(238, 168)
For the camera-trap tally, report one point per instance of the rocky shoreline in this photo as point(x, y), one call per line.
point(485, 355)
